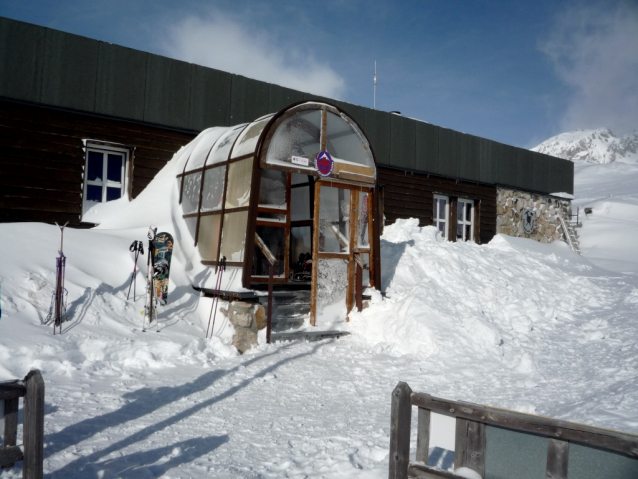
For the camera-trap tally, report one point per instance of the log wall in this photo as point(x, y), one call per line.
point(42, 158)
point(411, 195)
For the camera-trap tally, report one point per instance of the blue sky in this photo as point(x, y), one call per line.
point(512, 71)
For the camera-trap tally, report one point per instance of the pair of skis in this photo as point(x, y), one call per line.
point(57, 311)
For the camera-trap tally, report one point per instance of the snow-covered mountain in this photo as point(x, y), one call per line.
point(592, 146)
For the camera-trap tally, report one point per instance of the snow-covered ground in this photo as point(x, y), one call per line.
point(514, 324)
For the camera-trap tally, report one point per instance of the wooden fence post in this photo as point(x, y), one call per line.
point(32, 467)
point(423, 436)
point(10, 423)
point(557, 458)
point(469, 449)
point(400, 422)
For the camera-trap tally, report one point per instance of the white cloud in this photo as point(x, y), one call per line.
point(222, 43)
point(594, 50)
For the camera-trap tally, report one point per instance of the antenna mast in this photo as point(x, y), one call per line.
point(375, 86)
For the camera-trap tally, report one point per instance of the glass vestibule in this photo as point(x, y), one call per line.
point(251, 194)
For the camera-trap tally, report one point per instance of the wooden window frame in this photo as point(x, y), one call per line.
point(106, 148)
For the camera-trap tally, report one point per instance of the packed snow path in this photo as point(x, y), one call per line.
point(514, 324)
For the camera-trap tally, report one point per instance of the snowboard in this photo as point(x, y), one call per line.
point(163, 252)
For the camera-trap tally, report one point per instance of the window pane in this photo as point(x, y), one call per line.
point(191, 224)
point(222, 147)
point(468, 232)
point(205, 142)
point(363, 241)
point(190, 193)
point(459, 231)
point(208, 238)
point(345, 144)
point(213, 188)
point(468, 211)
point(272, 188)
point(300, 203)
point(334, 220)
point(247, 141)
point(95, 167)
point(459, 211)
point(298, 179)
point(114, 168)
point(298, 135)
point(442, 204)
point(274, 238)
point(300, 252)
point(234, 235)
point(441, 226)
point(239, 179)
point(113, 193)
point(93, 193)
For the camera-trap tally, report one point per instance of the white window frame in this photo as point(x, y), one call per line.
point(104, 183)
point(463, 222)
point(436, 221)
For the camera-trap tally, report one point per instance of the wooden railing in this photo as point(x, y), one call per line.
point(616, 453)
point(32, 451)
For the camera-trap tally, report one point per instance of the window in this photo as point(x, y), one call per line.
point(441, 214)
point(465, 220)
point(105, 175)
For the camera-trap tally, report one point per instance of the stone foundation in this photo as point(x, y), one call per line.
point(510, 205)
point(248, 319)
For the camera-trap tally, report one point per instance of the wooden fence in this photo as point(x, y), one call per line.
point(32, 451)
point(502, 444)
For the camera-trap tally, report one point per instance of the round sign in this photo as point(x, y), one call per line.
point(324, 163)
point(529, 220)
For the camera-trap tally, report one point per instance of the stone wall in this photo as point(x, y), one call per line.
point(511, 205)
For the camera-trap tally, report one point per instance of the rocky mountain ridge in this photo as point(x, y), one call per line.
point(592, 146)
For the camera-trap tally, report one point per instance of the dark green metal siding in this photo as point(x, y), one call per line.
point(280, 97)
point(470, 169)
point(121, 81)
point(167, 101)
point(21, 47)
point(488, 159)
point(50, 67)
point(377, 126)
point(450, 148)
point(209, 98)
point(506, 164)
point(402, 143)
point(427, 147)
point(69, 71)
point(248, 100)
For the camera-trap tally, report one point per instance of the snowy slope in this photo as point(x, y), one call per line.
point(513, 323)
point(592, 146)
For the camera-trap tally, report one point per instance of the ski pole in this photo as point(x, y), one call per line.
point(215, 291)
point(138, 248)
point(221, 272)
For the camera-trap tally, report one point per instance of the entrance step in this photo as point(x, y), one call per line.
point(307, 335)
point(290, 308)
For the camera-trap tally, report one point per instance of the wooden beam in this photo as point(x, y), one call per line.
point(400, 418)
point(421, 471)
point(423, 436)
point(12, 389)
point(33, 426)
point(315, 257)
point(557, 458)
point(623, 443)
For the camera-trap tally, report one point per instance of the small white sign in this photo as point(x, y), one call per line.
point(299, 160)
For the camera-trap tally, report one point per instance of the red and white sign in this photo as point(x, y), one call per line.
point(299, 160)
